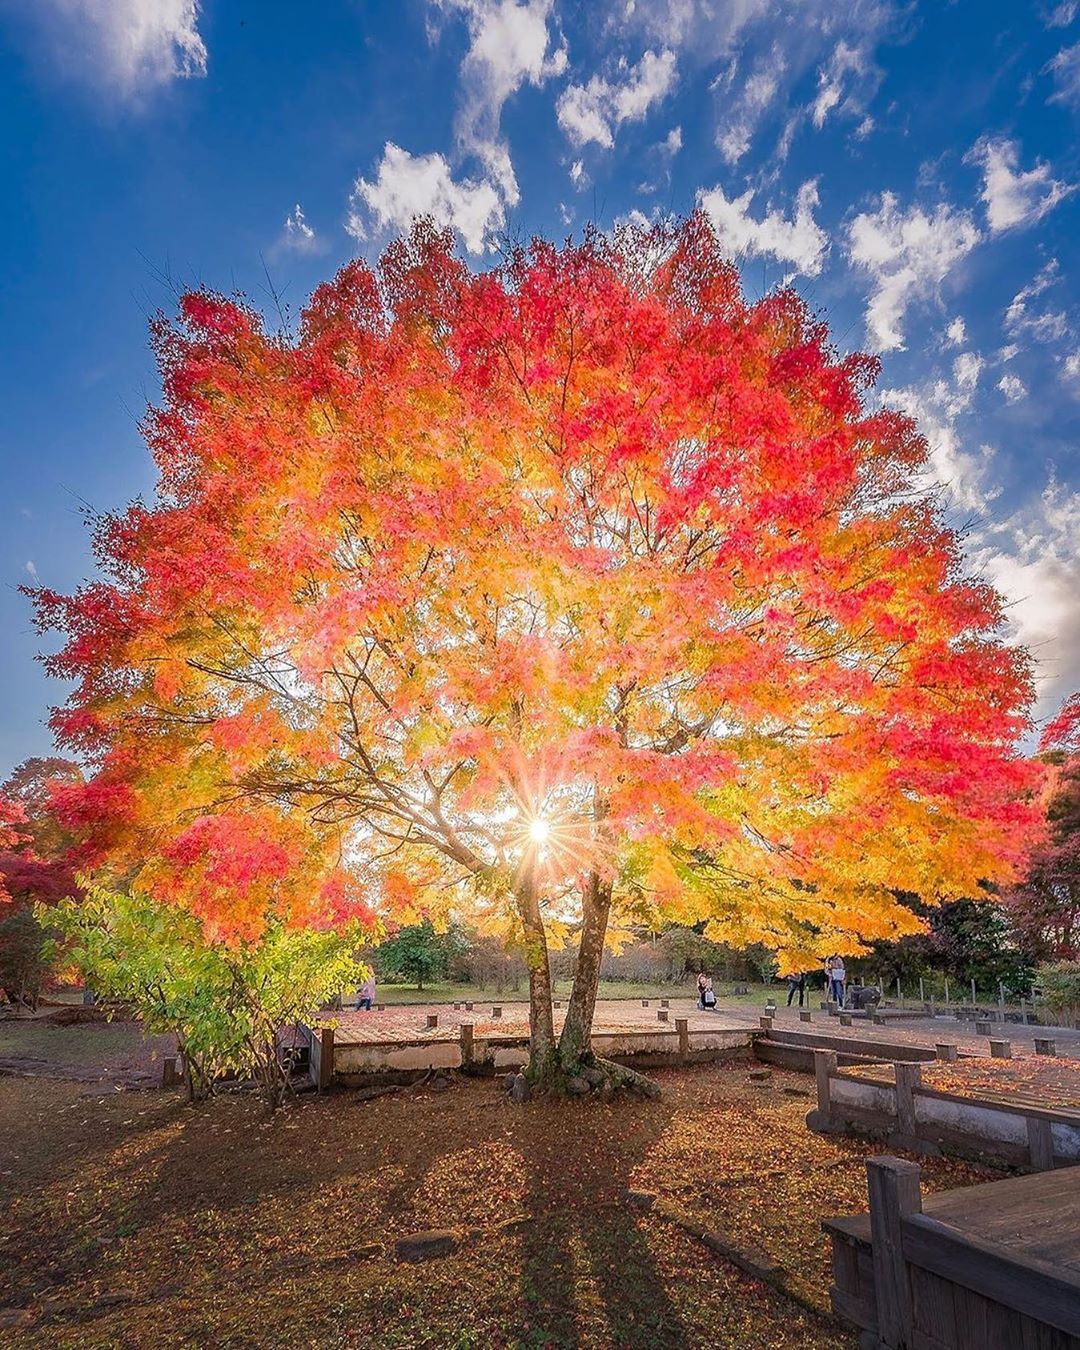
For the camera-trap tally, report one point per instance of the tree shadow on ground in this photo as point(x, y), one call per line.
point(585, 1260)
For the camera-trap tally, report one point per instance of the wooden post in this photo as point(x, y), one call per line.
point(894, 1194)
point(682, 1026)
point(947, 1051)
point(169, 1075)
point(908, 1078)
point(824, 1065)
point(973, 993)
point(1001, 1000)
point(432, 1021)
point(766, 1023)
point(466, 1044)
point(805, 1015)
point(946, 993)
point(922, 991)
point(1045, 1045)
point(1001, 1050)
point(322, 1057)
point(1040, 1143)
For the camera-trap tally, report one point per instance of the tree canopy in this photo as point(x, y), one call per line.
point(581, 581)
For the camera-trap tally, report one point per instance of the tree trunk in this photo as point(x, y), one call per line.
point(575, 1041)
point(541, 1016)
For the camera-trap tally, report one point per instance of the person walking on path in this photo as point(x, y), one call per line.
point(366, 997)
point(796, 984)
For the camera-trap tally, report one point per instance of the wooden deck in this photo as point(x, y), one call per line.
point(996, 1264)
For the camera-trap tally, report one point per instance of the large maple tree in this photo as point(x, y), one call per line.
point(582, 585)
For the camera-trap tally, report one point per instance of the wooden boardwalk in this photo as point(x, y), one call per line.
point(990, 1265)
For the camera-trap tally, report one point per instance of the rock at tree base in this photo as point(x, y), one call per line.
point(426, 1246)
point(517, 1088)
point(577, 1087)
point(760, 1075)
point(593, 1076)
point(642, 1200)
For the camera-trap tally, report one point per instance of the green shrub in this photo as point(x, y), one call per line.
point(1060, 983)
point(226, 1004)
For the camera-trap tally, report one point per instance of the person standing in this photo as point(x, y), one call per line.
point(796, 984)
point(839, 980)
point(366, 997)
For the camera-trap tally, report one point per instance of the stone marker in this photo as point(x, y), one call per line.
point(982, 1027)
point(805, 1015)
point(169, 1071)
point(665, 1003)
point(662, 1015)
point(1045, 1045)
point(947, 1051)
point(496, 1011)
point(644, 1002)
point(468, 1007)
point(1001, 1050)
point(379, 1007)
point(766, 1023)
point(556, 1003)
point(432, 1020)
point(426, 1246)
point(845, 1019)
point(457, 1007)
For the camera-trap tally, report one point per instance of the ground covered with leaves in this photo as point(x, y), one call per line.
point(134, 1219)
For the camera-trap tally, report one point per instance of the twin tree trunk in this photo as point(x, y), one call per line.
point(548, 1061)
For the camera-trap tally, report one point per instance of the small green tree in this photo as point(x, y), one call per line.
point(226, 1004)
point(1060, 984)
point(27, 956)
point(414, 954)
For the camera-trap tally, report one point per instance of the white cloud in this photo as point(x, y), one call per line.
point(1014, 197)
point(32, 572)
point(592, 112)
point(297, 236)
point(1065, 68)
point(672, 143)
point(130, 45)
point(1062, 15)
point(1070, 369)
point(1047, 326)
point(509, 42)
point(935, 406)
point(1033, 557)
point(967, 368)
point(843, 83)
point(1013, 387)
point(406, 186)
point(577, 172)
point(749, 105)
point(908, 254)
point(797, 240)
point(956, 333)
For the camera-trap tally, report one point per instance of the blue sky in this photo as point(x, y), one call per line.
point(912, 167)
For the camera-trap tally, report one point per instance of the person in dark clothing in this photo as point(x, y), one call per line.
point(796, 984)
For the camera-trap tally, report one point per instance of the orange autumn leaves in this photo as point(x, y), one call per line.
point(589, 537)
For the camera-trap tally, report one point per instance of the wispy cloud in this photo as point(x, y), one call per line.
point(1014, 197)
point(591, 113)
point(130, 47)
